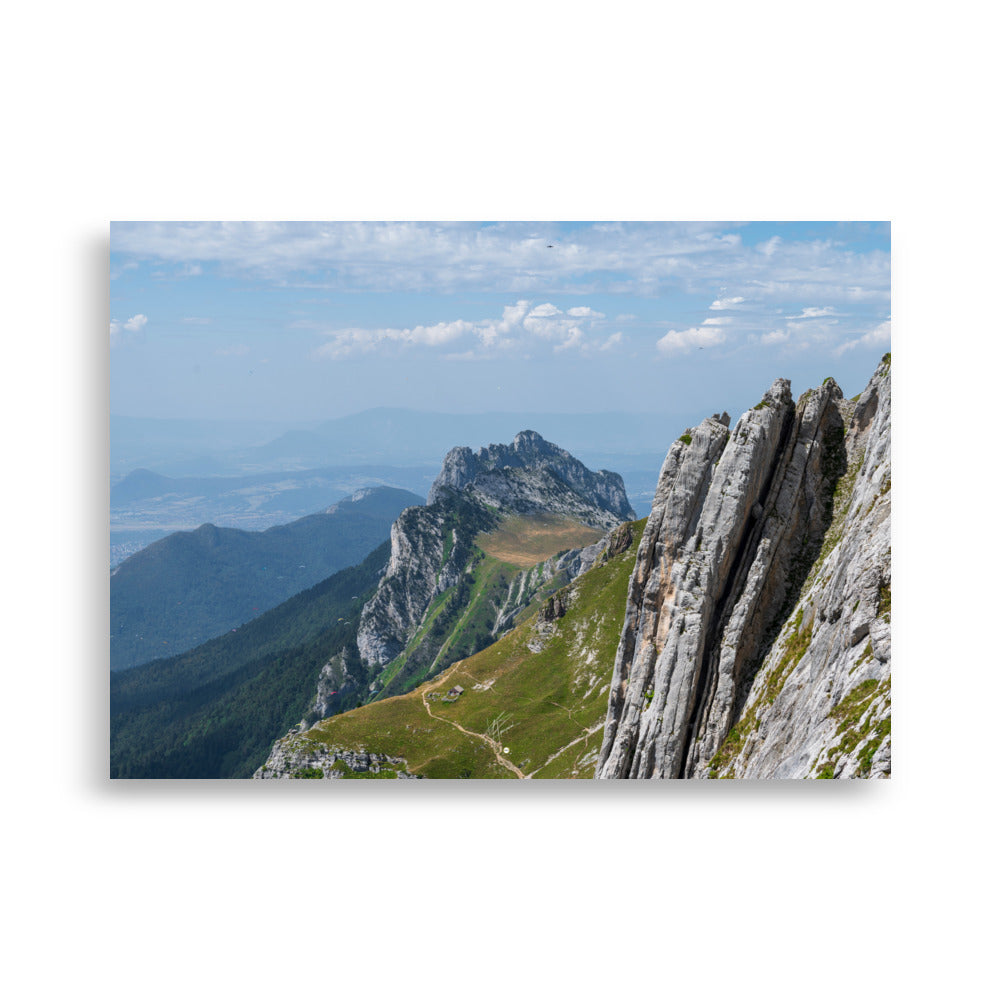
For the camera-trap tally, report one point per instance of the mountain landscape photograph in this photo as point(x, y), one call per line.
point(578, 500)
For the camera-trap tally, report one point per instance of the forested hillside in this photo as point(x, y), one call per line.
point(214, 711)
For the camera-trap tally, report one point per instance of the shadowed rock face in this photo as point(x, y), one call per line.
point(757, 542)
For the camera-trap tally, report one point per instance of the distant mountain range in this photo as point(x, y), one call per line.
point(629, 443)
point(147, 505)
point(193, 585)
point(382, 435)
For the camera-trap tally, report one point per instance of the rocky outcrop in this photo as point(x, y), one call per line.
point(761, 575)
point(531, 474)
point(294, 757)
point(335, 681)
point(419, 569)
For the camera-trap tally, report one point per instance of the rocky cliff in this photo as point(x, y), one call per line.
point(756, 635)
point(438, 579)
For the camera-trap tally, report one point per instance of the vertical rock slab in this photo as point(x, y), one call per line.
point(820, 706)
point(711, 500)
point(738, 528)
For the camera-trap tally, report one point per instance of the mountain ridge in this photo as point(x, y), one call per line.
point(193, 585)
point(436, 567)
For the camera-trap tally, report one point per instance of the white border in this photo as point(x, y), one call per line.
point(441, 110)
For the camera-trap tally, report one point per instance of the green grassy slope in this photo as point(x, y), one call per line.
point(458, 622)
point(547, 706)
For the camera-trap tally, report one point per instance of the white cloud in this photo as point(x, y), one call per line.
point(775, 337)
point(120, 332)
point(355, 340)
point(574, 339)
point(545, 310)
point(682, 341)
point(521, 327)
point(876, 337)
point(770, 247)
point(630, 258)
point(814, 312)
point(717, 321)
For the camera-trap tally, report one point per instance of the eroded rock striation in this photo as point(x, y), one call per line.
point(756, 636)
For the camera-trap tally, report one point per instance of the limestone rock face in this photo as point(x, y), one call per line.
point(417, 572)
point(761, 575)
point(431, 546)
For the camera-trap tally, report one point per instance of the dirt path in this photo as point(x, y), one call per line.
point(446, 677)
point(492, 744)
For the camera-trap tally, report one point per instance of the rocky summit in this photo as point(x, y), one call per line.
point(756, 635)
point(530, 475)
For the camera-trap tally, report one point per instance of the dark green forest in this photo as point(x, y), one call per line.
point(214, 711)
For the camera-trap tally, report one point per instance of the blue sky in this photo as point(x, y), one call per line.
point(308, 321)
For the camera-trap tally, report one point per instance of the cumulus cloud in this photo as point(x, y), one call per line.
point(120, 332)
point(727, 303)
point(682, 341)
point(877, 337)
point(814, 312)
point(521, 326)
point(775, 337)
